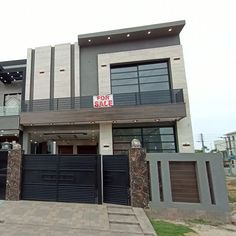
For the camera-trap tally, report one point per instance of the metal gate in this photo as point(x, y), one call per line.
point(65, 178)
point(76, 178)
point(3, 173)
point(116, 179)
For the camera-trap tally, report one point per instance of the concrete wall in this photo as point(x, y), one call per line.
point(52, 72)
point(89, 65)
point(203, 209)
point(42, 73)
point(105, 139)
point(178, 80)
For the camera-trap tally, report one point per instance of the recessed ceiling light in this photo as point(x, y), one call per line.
point(17, 72)
point(157, 120)
point(135, 121)
point(109, 37)
point(89, 40)
point(149, 32)
point(128, 35)
point(170, 29)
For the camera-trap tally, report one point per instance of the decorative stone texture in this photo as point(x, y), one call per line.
point(139, 184)
point(13, 185)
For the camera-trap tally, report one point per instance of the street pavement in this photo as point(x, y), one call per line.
point(30, 218)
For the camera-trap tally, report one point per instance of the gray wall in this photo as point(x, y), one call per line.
point(88, 59)
point(205, 207)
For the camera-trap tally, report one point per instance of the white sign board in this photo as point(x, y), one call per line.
point(102, 101)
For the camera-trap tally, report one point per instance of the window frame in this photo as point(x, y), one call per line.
point(139, 82)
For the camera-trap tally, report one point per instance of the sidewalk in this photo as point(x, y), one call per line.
point(23, 218)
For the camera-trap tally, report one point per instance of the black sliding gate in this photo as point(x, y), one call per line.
point(63, 178)
point(3, 173)
point(76, 178)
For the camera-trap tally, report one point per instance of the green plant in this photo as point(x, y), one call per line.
point(163, 228)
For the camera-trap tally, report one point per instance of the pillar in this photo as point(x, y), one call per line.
point(13, 185)
point(139, 181)
point(105, 139)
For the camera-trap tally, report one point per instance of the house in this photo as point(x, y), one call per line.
point(12, 74)
point(65, 104)
point(227, 145)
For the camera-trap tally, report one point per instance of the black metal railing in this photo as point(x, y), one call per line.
point(121, 99)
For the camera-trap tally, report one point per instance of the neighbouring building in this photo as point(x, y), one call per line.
point(12, 74)
point(142, 67)
point(227, 145)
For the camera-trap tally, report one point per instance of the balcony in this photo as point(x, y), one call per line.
point(127, 106)
point(9, 111)
point(123, 99)
point(9, 119)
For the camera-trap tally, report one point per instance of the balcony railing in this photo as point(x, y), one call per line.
point(9, 111)
point(122, 99)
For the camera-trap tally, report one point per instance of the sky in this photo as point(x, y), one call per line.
point(208, 39)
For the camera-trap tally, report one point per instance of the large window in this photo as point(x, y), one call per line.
point(154, 139)
point(140, 77)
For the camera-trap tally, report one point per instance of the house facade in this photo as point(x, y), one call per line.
point(142, 71)
point(12, 74)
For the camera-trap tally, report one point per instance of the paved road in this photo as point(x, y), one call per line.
point(30, 218)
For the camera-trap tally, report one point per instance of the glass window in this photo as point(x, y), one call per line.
point(154, 86)
point(153, 72)
point(151, 79)
point(154, 139)
point(124, 75)
point(125, 89)
point(153, 66)
point(140, 78)
point(124, 69)
point(124, 82)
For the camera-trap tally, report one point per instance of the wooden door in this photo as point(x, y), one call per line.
point(65, 149)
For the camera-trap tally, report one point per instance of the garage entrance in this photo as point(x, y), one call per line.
point(76, 178)
point(63, 178)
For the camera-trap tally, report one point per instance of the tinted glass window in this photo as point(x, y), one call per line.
point(140, 78)
point(154, 139)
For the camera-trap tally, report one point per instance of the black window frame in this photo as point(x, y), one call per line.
point(137, 64)
point(173, 126)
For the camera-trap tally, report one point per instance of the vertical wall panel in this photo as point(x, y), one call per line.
point(105, 139)
point(77, 69)
point(62, 71)
point(28, 74)
point(42, 73)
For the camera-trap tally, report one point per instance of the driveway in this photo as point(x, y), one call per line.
point(29, 218)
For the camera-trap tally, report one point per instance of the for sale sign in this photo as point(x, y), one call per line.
point(101, 101)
